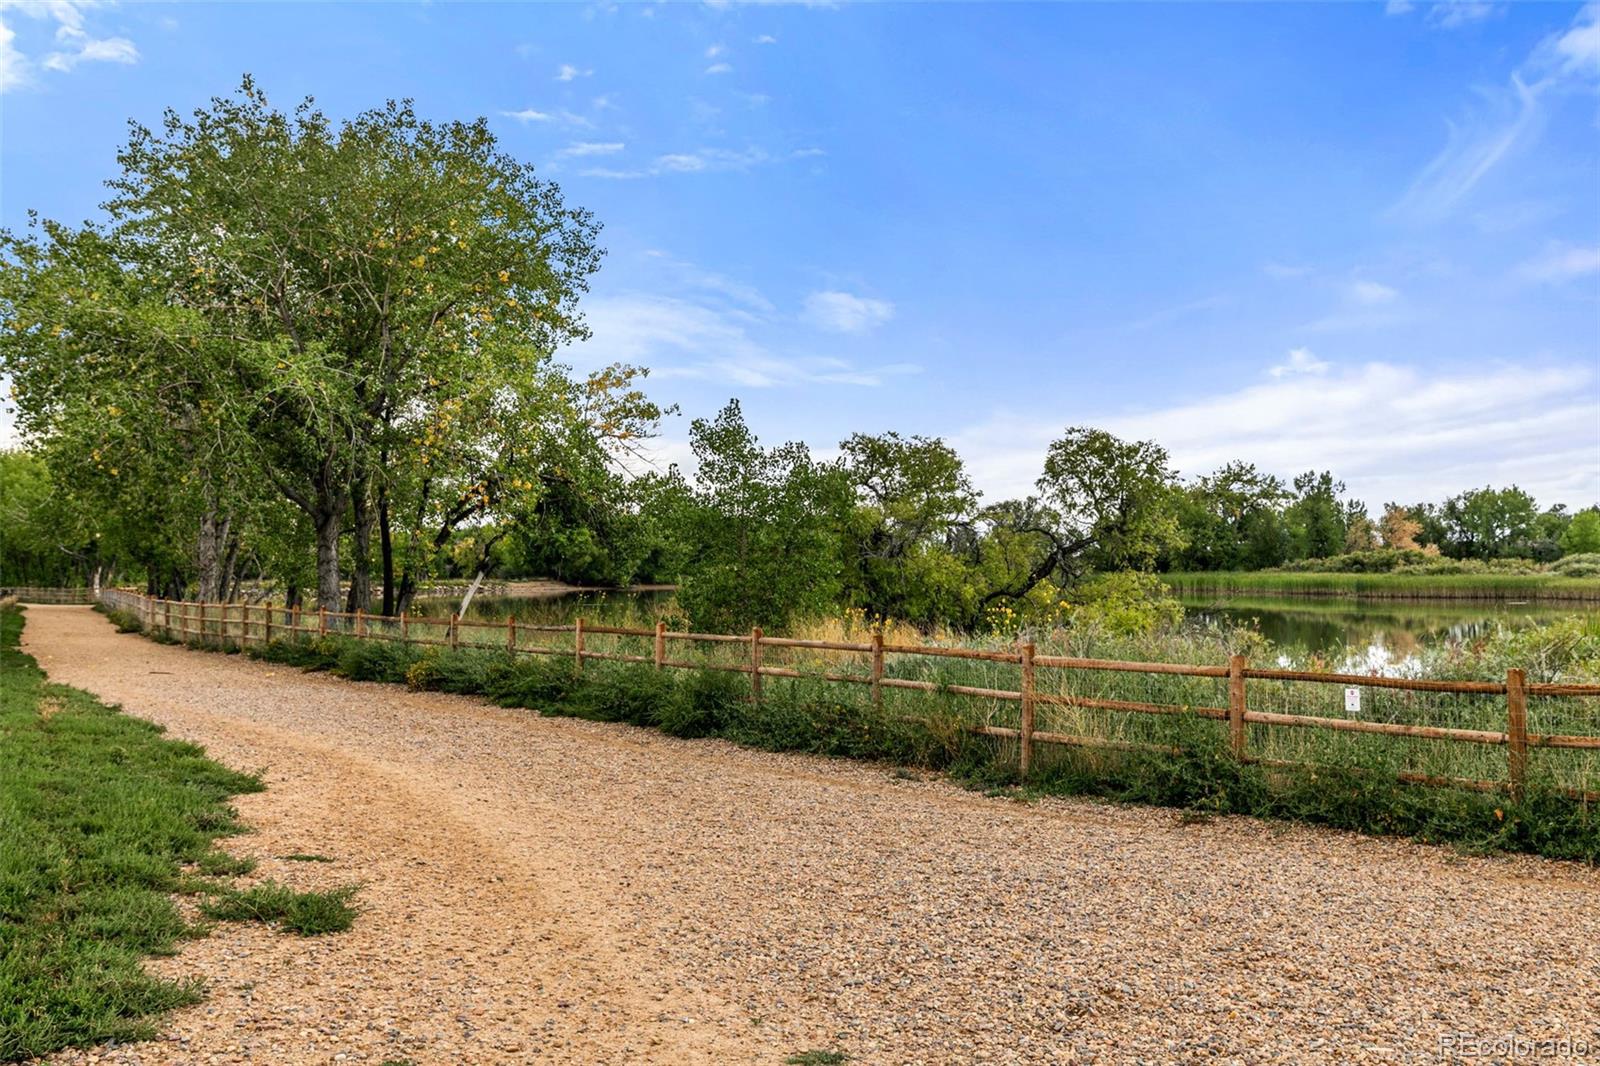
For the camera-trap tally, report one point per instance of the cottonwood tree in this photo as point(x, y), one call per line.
point(1103, 504)
point(914, 502)
point(357, 269)
point(761, 528)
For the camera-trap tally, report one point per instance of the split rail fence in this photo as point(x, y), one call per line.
point(35, 594)
point(1257, 706)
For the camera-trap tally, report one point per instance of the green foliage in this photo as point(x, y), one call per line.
point(101, 814)
point(706, 703)
point(1582, 535)
point(762, 528)
point(304, 913)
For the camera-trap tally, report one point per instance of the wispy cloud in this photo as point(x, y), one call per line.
point(562, 118)
point(842, 312)
point(568, 72)
point(1371, 293)
point(715, 50)
point(679, 338)
point(766, 38)
point(1561, 263)
point(1392, 432)
point(584, 149)
point(1456, 13)
point(703, 161)
point(73, 44)
point(720, 68)
point(1300, 361)
point(1509, 118)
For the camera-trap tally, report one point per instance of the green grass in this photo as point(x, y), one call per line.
point(1488, 586)
point(817, 1058)
point(102, 819)
point(305, 913)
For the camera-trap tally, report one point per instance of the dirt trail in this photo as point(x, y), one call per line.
point(550, 890)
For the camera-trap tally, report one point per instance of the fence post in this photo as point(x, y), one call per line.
point(405, 629)
point(755, 664)
point(322, 621)
point(877, 669)
point(455, 631)
point(1237, 736)
point(577, 644)
point(1517, 729)
point(295, 620)
point(361, 622)
point(1025, 745)
point(661, 644)
point(169, 616)
point(200, 626)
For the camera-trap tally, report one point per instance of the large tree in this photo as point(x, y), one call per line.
point(362, 271)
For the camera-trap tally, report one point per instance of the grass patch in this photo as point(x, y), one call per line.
point(817, 1058)
point(99, 817)
point(305, 913)
point(303, 857)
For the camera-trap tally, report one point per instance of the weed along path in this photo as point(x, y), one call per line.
point(553, 890)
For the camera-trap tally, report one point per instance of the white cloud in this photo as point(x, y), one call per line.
point(1398, 7)
point(568, 72)
point(1577, 52)
point(1510, 118)
point(1561, 263)
point(1285, 271)
point(766, 38)
point(704, 161)
point(13, 65)
point(840, 312)
point(1301, 361)
point(582, 149)
point(1456, 13)
point(714, 51)
point(679, 338)
point(75, 45)
point(565, 118)
point(1371, 293)
point(1391, 432)
point(720, 68)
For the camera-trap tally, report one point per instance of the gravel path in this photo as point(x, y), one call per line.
point(551, 890)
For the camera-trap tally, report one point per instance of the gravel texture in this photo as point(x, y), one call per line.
point(551, 890)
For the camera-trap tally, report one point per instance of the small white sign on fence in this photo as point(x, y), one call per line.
point(1352, 700)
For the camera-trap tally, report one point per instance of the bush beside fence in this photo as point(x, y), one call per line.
point(1424, 731)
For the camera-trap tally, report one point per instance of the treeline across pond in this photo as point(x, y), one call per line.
point(316, 362)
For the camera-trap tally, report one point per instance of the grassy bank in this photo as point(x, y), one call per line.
point(1539, 587)
point(102, 819)
point(1355, 783)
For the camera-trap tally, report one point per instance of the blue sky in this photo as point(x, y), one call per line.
point(1364, 237)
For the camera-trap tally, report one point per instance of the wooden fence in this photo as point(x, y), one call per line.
point(245, 624)
point(34, 594)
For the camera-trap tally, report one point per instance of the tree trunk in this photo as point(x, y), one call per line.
point(327, 527)
point(386, 547)
point(209, 549)
point(361, 549)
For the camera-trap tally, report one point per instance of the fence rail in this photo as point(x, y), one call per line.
point(36, 594)
point(1254, 725)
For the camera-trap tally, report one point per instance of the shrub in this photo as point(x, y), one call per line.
point(705, 703)
point(371, 660)
point(538, 684)
point(634, 694)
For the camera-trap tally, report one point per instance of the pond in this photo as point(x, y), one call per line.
point(1370, 633)
point(1359, 634)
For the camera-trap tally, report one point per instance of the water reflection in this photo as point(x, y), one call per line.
point(1362, 636)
